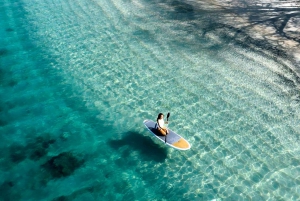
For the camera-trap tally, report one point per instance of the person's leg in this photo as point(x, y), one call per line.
point(162, 131)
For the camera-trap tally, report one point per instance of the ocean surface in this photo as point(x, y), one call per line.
point(77, 79)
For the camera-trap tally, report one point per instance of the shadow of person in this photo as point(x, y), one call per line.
point(147, 149)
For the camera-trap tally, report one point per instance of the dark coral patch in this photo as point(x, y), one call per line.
point(62, 165)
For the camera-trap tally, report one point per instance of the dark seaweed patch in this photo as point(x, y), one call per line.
point(17, 153)
point(3, 51)
point(9, 30)
point(90, 189)
point(43, 142)
point(38, 148)
point(2, 74)
point(3, 122)
point(9, 83)
point(61, 198)
point(12, 83)
point(34, 150)
point(6, 191)
point(62, 165)
point(37, 153)
point(6, 79)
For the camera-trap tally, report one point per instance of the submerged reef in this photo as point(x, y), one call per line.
point(62, 165)
point(34, 150)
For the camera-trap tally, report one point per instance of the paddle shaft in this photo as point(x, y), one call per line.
point(168, 115)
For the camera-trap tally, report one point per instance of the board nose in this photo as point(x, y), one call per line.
point(181, 143)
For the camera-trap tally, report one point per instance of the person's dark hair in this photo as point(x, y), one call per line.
point(159, 115)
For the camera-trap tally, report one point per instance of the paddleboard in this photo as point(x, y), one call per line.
point(173, 139)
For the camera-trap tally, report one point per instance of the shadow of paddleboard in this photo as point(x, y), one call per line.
point(147, 149)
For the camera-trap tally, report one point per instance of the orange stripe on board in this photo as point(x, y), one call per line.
point(181, 143)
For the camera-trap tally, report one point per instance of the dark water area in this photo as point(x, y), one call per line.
point(34, 99)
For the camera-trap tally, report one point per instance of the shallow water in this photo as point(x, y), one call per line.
point(79, 77)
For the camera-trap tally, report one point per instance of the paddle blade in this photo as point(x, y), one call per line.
point(168, 115)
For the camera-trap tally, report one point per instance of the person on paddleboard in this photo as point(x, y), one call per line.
point(161, 124)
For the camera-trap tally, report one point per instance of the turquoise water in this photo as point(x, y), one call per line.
point(79, 77)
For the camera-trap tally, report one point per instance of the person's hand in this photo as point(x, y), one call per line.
point(166, 122)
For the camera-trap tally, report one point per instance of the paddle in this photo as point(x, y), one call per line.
point(168, 115)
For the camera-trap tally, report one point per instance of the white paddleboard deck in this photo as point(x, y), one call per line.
point(173, 139)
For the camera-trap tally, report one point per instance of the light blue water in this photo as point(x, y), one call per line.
point(79, 77)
